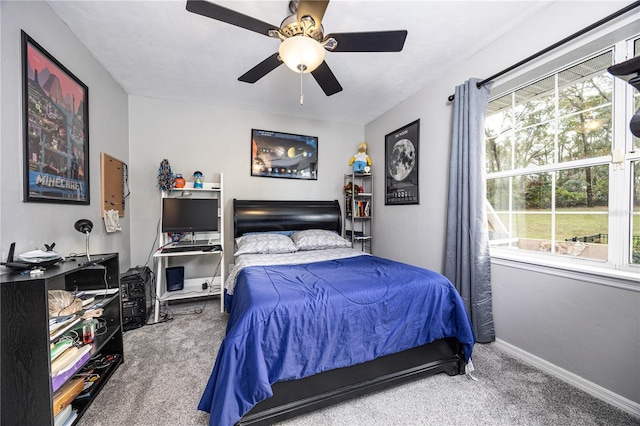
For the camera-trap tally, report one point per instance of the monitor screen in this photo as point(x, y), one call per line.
point(189, 214)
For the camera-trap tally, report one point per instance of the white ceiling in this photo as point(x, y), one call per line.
point(160, 50)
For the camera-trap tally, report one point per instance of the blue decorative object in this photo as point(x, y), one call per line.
point(165, 176)
point(198, 179)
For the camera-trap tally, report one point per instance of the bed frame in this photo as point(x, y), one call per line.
point(295, 397)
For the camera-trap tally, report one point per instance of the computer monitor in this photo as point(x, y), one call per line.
point(189, 214)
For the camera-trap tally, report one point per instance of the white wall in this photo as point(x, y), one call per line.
point(214, 140)
point(31, 224)
point(582, 327)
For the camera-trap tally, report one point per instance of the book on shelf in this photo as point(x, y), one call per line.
point(86, 299)
point(68, 364)
point(97, 305)
point(67, 393)
point(60, 319)
point(66, 416)
point(72, 418)
point(362, 209)
point(58, 348)
point(57, 322)
point(59, 331)
point(102, 292)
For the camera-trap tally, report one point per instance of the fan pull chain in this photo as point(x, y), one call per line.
point(301, 93)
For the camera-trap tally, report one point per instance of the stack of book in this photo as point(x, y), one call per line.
point(67, 363)
point(59, 325)
point(65, 417)
point(362, 209)
point(101, 294)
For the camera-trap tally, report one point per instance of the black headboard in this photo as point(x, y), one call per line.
point(270, 215)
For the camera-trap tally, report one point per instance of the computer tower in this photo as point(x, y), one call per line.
point(135, 285)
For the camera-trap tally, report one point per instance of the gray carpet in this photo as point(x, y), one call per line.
point(167, 365)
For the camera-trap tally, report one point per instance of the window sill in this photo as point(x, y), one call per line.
point(584, 270)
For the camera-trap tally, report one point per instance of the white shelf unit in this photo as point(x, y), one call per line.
point(210, 264)
point(358, 211)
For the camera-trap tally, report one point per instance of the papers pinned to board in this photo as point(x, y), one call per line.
point(112, 220)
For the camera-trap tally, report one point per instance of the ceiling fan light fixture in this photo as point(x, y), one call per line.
point(301, 53)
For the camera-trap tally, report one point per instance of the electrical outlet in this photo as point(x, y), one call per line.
point(205, 285)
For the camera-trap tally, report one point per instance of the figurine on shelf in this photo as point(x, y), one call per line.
point(198, 179)
point(165, 176)
point(179, 181)
point(361, 161)
point(348, 189)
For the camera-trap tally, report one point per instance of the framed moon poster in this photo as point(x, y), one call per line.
point(401, 165)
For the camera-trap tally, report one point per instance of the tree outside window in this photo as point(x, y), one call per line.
point(549, 164)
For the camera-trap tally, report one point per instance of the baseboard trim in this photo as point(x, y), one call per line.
point(591, 388)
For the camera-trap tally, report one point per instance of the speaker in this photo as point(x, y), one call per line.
point(175, 278)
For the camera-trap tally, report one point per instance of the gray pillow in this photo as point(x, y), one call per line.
point(264, 244)
point(318, 239)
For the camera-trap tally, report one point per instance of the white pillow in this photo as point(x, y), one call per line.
point(264, 243)
point(318, 239)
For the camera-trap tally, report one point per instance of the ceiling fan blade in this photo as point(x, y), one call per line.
point(262, 69)
point(313, 8)
point(325, 78)
point(376, 41)
point(219, 13)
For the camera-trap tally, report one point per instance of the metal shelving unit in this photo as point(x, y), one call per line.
point(358, 211)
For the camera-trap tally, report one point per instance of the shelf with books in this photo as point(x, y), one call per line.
point(52, 349)
point(358, 211)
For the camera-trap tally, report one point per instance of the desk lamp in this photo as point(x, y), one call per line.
point(85, 226)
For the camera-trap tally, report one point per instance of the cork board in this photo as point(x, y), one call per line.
point(112, 184)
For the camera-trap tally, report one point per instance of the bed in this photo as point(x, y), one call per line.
point(315, 322)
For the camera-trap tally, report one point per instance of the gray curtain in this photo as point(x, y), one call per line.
point(467, 263)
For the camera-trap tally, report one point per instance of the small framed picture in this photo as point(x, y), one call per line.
point(401, 165)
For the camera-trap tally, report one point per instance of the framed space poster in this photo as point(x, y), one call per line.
point(56, 129)
point(401, 165)
point(284, 155)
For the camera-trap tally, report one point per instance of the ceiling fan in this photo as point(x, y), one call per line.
point(303, 43)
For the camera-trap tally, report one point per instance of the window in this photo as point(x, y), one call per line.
point(635, 179)
point(552, 184)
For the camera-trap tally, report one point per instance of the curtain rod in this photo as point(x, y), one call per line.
point(556, 45)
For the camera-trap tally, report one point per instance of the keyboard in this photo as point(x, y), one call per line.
point(186, 248)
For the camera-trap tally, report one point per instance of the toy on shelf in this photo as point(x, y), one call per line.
point(165, 175)
point(179, 181)
point(348, 189)
point(198, 179)
point(361, 161)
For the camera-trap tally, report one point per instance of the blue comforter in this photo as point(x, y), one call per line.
point(293, 321)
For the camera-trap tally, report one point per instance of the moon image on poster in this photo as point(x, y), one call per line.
point(402, 160)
